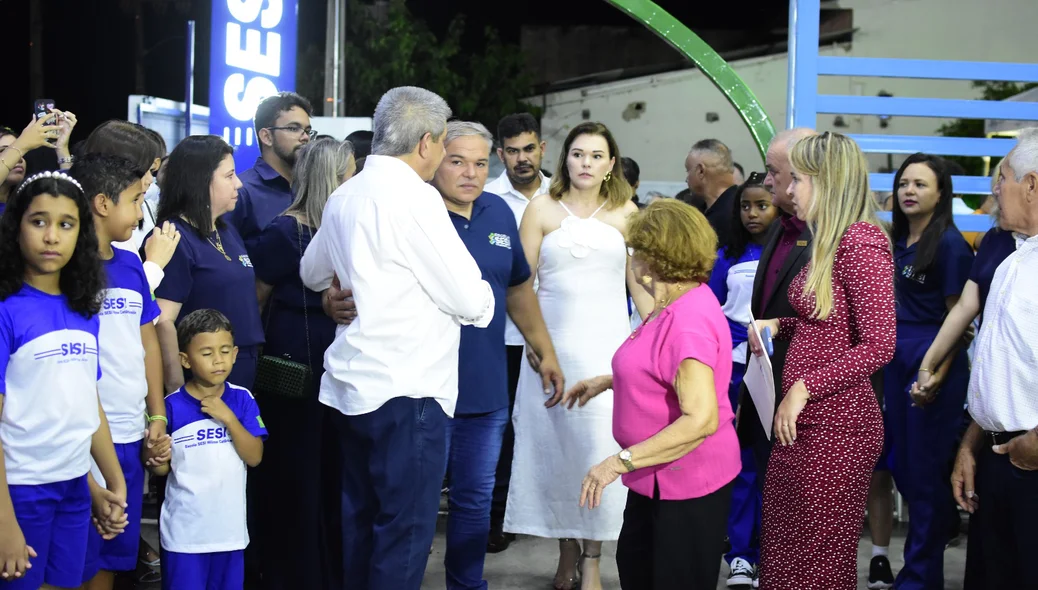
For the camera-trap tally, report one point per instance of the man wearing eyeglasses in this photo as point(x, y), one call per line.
point(282, 128)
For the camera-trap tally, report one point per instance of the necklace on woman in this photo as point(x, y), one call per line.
point(678, 292)
point(218, 244)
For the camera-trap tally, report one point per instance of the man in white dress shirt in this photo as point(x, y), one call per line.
point(393, 373)
point(996, 472)
point(521, 151)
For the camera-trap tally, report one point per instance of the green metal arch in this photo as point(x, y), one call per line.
point(690, 45)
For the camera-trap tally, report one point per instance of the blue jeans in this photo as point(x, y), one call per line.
point(473, 447)
point(392, 469)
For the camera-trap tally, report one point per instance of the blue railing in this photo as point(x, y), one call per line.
point(804, 103)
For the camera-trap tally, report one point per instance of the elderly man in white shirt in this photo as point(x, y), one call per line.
point(996, 472)
point(521, 151)
point(393, 373)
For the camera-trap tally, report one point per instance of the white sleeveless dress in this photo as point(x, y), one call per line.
point(582, 292)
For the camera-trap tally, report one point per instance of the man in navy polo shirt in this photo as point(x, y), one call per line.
point(282, 127)
point(487, 227)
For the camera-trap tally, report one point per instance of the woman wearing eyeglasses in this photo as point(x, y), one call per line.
point(732, 283)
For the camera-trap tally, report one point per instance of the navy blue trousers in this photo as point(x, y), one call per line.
point(745, 512)
point(922, 443)
point(474, 445)
point(392, 469)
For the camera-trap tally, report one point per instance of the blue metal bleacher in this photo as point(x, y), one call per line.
point(804, 103)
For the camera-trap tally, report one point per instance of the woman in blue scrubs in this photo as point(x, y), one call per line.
point(932, 264)
point(300, 461)
point(210, 268)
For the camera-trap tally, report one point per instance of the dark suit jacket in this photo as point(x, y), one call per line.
point(768, 306)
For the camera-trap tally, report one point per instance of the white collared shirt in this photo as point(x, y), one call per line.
point(517, 202)
point(1003, 391)
point(387, 236)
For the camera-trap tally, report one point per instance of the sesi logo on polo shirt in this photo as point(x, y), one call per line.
point(501, 240)
point(245, 261)
point(909, 273)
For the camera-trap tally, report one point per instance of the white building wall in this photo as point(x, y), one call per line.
point(676, 104)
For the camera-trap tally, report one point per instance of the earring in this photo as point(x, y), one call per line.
point(646, 279)
point(608, 176)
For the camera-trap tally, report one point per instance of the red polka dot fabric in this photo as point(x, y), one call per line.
point(815, 490)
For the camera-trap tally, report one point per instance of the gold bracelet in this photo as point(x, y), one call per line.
point(21, 154)
point(927, 370)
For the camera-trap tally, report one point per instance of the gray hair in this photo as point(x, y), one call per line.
point(791, 136)
point(320, 166)
point(720, 152)
point(403, 116)
point(456, 129)
point(1024, 157)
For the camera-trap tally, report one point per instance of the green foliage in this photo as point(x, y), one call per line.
point(975, 127)
point(974, 166)
point(398, 49)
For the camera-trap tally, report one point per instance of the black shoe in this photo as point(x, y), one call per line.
point(499, 541)
point(880, 576)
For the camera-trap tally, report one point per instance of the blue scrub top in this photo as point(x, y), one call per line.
point(264, 195)
point(921, 297)
point(199, 277)
point(996, 246)
point(286, 319)
point(492, 238)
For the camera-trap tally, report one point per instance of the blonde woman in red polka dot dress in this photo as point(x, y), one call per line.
point(828, 428)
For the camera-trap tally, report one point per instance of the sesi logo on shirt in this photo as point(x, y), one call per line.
point(245, 261)
point(114, 303)
point(211, 434)
point(501, 240)
point(67, 349)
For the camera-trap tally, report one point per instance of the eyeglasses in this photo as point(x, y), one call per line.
point(299, 131)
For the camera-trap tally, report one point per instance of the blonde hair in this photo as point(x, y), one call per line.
point(841, 198)
point(318, 171)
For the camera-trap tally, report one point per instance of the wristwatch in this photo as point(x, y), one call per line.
point(69, 160)
point(625, 458)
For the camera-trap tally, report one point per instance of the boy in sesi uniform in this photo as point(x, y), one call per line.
point(131, 366)
point(216, 431)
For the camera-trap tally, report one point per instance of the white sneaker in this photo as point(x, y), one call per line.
point(741, 573)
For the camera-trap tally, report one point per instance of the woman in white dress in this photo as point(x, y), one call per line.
point(574, 241)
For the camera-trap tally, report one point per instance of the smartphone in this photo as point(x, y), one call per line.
point(41, 108)
point(768, 346)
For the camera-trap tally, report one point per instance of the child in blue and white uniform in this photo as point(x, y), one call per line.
point(732, 283)
point(216, 431)
point(51, 421)
point(131, 363)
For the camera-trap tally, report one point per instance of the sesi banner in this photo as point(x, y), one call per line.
point(253, 56)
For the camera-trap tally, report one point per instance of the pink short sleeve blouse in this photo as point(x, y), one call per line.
point(645, 402)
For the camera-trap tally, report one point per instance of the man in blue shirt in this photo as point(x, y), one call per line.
point(282, 127)
point(487, 226)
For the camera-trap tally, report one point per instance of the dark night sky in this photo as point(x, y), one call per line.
point(88, 44)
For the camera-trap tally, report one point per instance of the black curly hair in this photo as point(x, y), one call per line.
point(83, 278)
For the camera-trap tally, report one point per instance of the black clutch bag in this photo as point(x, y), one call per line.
point(282, 377)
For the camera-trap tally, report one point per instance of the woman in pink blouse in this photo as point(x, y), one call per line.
point(671, 413)
point(828, 427)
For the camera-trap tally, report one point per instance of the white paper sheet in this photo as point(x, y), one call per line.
point(760, 382)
